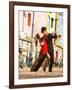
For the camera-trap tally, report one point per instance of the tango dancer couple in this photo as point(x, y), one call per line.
point(46, 50)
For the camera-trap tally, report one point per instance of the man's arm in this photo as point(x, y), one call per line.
point(54, 35)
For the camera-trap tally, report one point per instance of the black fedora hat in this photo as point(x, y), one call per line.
point(43, 29)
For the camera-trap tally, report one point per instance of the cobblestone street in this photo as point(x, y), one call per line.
point(26, 74)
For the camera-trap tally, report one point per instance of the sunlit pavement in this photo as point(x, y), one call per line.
point(26, 74)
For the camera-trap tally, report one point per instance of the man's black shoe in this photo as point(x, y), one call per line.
point(50, 70)
point(44, 69)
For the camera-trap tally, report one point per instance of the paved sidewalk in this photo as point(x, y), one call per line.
point(26, 74)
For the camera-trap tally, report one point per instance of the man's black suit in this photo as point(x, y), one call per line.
point(48, 39)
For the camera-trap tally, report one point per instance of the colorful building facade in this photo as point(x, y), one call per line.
point(30, 23)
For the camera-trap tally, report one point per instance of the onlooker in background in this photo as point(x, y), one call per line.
point(20, 59)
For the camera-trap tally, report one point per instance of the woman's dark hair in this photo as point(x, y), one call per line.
point(37, 36)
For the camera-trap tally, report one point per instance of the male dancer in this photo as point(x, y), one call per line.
point(48, 37)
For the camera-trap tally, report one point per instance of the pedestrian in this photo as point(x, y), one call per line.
point(56, 59)
point(49, 37)
point(20, 59)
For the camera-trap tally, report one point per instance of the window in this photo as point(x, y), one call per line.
point(29, 19)
point(52, 22)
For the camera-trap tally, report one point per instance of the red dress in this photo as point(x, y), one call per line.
point(44, 48)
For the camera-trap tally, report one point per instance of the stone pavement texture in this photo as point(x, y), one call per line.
point(26, 74)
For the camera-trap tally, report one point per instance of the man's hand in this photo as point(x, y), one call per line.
point(59, 36)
